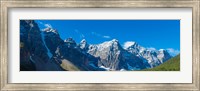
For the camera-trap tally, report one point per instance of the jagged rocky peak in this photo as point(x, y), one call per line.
point(163, 55)
point(104, 49)
point(114, 57)
point(110, 44)
point(83, 41)
point(48, 29)
point(51, 39)
point(115, 40)
point(162, 50)
point(70, 42)
point(29, 26)
point(135, 48)
point(133, 45)
point(153, 56)
point(30, 22)
point(83, 44)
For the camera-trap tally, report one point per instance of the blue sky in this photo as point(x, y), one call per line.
point(154, 34)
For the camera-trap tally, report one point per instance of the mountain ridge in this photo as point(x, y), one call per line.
point(68, 55)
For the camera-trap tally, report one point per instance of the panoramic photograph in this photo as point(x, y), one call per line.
point(99, 45)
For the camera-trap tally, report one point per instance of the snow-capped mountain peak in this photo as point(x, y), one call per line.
point(129, 44)
point(83, 44)
point(70, 42)
point(161, 49)
point(48, 29)
point(110, 45)
point(135, 45)
point(114, 40)
point(83, 41)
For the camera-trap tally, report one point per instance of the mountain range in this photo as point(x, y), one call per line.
point(44, 50)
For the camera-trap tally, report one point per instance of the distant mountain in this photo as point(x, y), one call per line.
point(113, 56)
point(154, 57)
point(44, 50)
point(172, 64)
point(72, 53)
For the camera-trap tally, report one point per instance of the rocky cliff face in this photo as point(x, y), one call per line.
point(154, 57)
point(52, 39)
point(33, 53)
point(69, 51)
point(114, 57)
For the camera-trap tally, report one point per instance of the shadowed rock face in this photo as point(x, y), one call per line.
point(163, 55)
point(52, 39)
point(33, 53)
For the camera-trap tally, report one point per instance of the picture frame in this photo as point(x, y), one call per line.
point(7, 4)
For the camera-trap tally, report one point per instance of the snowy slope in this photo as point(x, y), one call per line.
point(43, 39)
